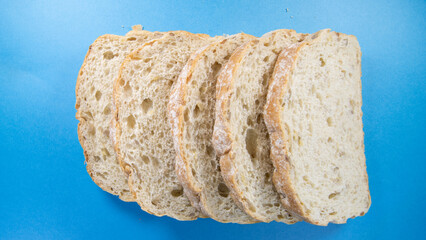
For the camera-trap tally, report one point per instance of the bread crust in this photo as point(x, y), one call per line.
point(81, 137)
point(222, 136)
point(175, 110)
point(278, 87)
point(132, 170)
point(279, 154)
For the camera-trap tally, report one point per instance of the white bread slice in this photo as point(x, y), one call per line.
point(191, 114)
point(240, 134)
point(95, 110)
point(144, 141)
point(314, 117)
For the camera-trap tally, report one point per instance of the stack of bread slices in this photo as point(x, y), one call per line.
point(236, 128)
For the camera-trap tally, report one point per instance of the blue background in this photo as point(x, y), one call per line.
point(45, 192)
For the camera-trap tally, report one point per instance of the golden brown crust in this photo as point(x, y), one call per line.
point(279, 157)
point(222, 136)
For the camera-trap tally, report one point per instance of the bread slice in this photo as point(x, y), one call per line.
point(144, 141)
point(314, 117)
point(240, 135)
point(95, 110)
point(191, 113)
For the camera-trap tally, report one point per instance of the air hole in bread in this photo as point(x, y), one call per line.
point(106, 71)
point(109, 55)
point(330, 140)
point(237, 93)
point(131, 39)
point(130, 120)
point(98, 95)
point(209, 150)
point(122, 82)
point(92, 130)
point(127, 90)
point(330, 121)
point(145, 159)
point(196, 111)
point(155, 202)
point(223, 190)
point(333, 195)
point(216, 68)
point(245, 107)
point(105, 152)
point(107, 110)
point(177, 192)
point(322, 62)
point(106, 133)
point(251, 142)
point(154, 161)
point(203, 88)
point(318, 95)
point(259, 119)
point(267, 178)
point(266, 59)
point(186, 115)
point(193, 172)
point(265, 78)
point(267, 205)
point(97, 158)
point(249, 121)
point(146, 105)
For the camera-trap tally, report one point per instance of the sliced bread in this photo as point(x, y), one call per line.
point(144, 141)
point(95, 111)
point(314, 118)
point(240, 135)
point(191, 113)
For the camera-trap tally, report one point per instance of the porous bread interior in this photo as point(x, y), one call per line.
point(144, 140)
point(251, 146)
point(197, 130)
point(321, 118)
point(95, 108)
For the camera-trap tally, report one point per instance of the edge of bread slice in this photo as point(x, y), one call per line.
point(314, 118)
point(144, 141)
point(191, 114)
point(240, 135)
point(94, 107)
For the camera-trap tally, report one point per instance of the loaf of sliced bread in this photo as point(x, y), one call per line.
point(144, 140)
point(314, 118)
point(95, 110)
point(191, 113)
point(240, 135)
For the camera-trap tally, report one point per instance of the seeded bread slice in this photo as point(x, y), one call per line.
point(94, 107)
point(240, 135)
point(144, 141)
point(191, 113)
point(314, 117)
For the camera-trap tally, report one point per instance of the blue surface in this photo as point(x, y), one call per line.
point(45, 192)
